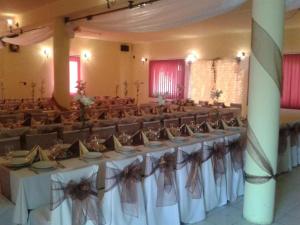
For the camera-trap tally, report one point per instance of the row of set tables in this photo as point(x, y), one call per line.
point(29, 188)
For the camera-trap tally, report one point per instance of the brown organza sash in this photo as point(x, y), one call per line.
point(256, 152)
point(219, 152)
point(85, 203)
point(294, 131)
point(126, 180)
point(283, 136)
point(236, 152)
point(166, 185)
point(194, 183)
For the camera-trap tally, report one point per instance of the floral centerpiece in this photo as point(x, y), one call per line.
point(83, 100)
point(215, 94)
point(138, 88)
point(161, 100)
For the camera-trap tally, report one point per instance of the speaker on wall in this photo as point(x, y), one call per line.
point(124, 48)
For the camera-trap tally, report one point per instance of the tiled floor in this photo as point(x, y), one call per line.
point(287, 206)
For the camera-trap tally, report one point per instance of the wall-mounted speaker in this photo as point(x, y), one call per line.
point(124, 48)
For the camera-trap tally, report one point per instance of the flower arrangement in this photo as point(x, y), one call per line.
point(138, 88)
point(215, 94)
point(125, 83)
point(83, 100)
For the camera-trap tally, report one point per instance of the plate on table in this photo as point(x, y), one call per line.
point(201, 135)
point(126, 149)
point(179, 139)
point(92, 155)
point(44, 165)
point(154, 144)
point(17, 162)
point(19, 153)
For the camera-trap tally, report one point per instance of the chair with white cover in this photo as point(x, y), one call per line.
point(284, 150)
point(6, 211)
point(190, 182)
point(74, 198)
point(214, 175)
point(123, 200)
point(234, 166)
point(160, 188)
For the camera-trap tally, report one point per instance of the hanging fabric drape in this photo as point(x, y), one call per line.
point(166, 77)
point(30, 37)
point(291, 82)
point(161, 15)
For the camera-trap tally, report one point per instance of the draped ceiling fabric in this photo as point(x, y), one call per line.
point(30, 37)
point(164, 14)
point(161, 15)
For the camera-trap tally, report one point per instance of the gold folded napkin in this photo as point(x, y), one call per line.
point(43, 154)
point(117, 143)
point(241, 124)
point(82, 149)
point(210, 129)
point(191, 133)
point(145, 138)
point(32, 154)
point(224, 124)
point(169, 134)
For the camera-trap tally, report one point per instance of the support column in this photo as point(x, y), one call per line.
point(61, 49)
point(263, 111)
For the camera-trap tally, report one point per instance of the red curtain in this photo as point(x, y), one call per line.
point(167, 76)
point(291, 82)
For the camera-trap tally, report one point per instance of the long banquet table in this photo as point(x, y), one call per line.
point(30, 190)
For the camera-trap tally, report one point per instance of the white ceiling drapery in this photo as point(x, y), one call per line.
point(30, 37)
point(161, 15)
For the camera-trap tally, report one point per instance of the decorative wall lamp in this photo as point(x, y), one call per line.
point(240, 56)
point(46, 52)
point(11, 24)
point(86, 55)
point(143, 60)
point(191, 58)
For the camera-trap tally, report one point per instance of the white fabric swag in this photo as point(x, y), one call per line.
point(160, 15)
point(30, 37)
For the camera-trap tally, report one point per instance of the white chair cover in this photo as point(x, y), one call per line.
point(62, 215)
point(215, 190)
point(192, 210)
point(6, 211)
point(111, 202)
point(234, 178)
point(158, 215)
point(285, 158)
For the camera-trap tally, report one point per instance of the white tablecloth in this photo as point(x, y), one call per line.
point(30, 190)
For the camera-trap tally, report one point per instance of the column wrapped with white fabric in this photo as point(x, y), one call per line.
point(263, 110)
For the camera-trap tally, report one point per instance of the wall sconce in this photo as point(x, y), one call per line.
point(191, 58)
point(143, 60)
point(240, 56)
point(46, 52)
point(10, 24)
point(86, 55)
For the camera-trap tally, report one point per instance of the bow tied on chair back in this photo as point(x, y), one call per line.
point(294, 131)
point(127, 180)
point(219, 151)
point(236, 152)
point(194, 182)
point(283, 136)
point(85, 203)
point(166, 185)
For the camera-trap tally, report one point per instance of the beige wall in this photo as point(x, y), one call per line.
point(109, 66)
point(223, 46)
point(28, 65)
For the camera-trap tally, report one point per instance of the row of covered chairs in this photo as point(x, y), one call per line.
point(164, 187)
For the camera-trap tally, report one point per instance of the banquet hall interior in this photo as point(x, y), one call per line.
point(149, 112)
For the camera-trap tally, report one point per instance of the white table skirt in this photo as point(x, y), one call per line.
point(30, 190)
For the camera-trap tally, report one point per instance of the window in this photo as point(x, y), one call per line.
point(74, 70)
point(167, 77)
point(290, 97)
